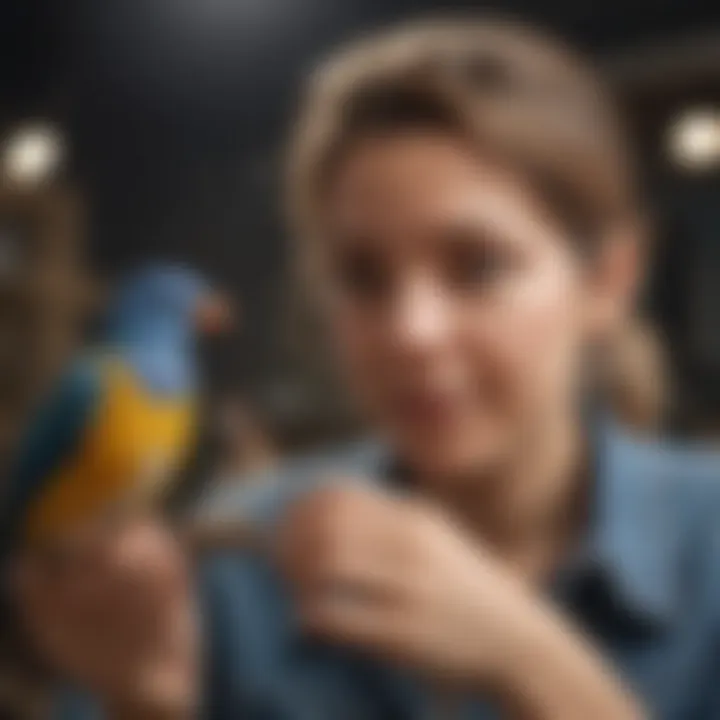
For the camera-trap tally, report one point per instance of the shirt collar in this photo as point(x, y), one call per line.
point(634, 534)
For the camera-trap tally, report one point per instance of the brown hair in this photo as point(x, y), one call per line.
point(636, 378)
point(515, 94)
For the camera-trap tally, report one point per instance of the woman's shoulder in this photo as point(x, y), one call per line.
point(690, 468)
point(671, 491)
point(682, 476)
point(260, 498)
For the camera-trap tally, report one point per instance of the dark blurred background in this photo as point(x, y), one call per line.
point(172, 114)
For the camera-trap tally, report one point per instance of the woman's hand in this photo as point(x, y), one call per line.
point(401, 580)
point(113, 613)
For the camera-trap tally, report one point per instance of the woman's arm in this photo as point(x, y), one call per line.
point(401, 581)
point(556, 675)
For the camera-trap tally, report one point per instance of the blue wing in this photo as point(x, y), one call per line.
point(52, 438)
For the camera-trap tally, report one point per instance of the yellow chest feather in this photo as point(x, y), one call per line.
point(130, 453)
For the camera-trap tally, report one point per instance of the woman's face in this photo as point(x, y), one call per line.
point(458, 308)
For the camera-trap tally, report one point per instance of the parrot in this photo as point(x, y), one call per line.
point(121, 419)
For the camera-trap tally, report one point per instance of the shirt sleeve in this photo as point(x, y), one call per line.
point(707, 705)
point(71, 704)
point(261, 667)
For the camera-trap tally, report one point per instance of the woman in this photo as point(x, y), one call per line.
point(471, 228)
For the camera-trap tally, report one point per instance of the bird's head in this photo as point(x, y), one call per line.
point(167, 302)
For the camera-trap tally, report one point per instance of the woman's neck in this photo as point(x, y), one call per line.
point(530, 509)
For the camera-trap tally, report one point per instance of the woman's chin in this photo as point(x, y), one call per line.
point(460, 455)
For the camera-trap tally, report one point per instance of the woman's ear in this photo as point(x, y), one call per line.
point(616, 277)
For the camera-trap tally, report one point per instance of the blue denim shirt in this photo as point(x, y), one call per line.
point(645, 585)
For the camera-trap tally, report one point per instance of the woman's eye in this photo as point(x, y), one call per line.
point(471, 266)
point(362, 276)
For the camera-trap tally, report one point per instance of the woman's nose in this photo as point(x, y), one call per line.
point(421, 316)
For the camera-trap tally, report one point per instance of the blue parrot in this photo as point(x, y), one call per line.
point(122, 418)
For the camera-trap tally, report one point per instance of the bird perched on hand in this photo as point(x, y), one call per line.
point(121, 420)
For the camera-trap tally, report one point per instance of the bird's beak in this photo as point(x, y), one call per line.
point(214, 315)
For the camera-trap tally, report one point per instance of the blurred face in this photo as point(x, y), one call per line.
point(458, 308)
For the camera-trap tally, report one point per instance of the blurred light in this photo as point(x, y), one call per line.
point(32, 154)
point(694, 139)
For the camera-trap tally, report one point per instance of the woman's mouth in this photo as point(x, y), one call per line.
point(427, 409)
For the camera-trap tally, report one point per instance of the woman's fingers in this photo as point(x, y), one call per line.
point(116, 614)
point(341, 539)
point(346, 616)
point(349, 555)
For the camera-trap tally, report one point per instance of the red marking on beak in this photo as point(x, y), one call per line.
point(214, 315)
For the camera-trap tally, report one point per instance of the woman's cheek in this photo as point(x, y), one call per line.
point(548, 340)
point(359, 352)
point(535, 339)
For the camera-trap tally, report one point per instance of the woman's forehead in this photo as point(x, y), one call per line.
point(424, 186)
